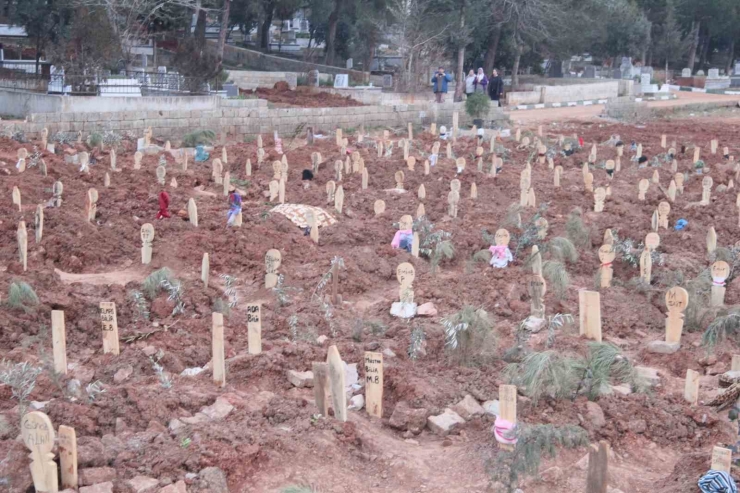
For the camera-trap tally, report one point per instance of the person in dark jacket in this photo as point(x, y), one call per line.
point(495, 87)
point(439, 84)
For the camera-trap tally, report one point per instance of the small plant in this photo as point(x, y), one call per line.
point(162, 161)
point(198, 137)
point(576, 230)
point(477, 105)
point(185, 442)
point(469, 334)
point(230, 291)
point(153, 282)
point(142, 308)
point(699, 164)
point(416, 343)
point(534, 441)
point(724, 326)
point(299, 489)
point(34, 159)
point(94, 390)
point(293, 326)
point(94, 139)
point(21, 378)
point(165, 380)
point(281, 291)
point(175, 293)
point(545, 374)
point(555, 322)
point(221, 306)
point(606, 365)
point(318, 297)
point(65, 137)
point(21, 296)
point(111, 138)
point(434, 245)
point(557, 277)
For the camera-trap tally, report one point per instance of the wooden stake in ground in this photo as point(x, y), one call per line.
point(321, 387)
point(597, 477)
point(542, 226)
point(606, 256)
point(185, 161)
point(557, 175)
point(706, 192)
point(589, 303)
point(217, 347)
point(420, 211)
point(38, 435)
point(720, 271)
point(735, 362)
point(313, 227)
point(507, 403)
point(474, 193)
point(273, 260)
point(274, 188)
point(642, 188)
point(374, 383)
point(68, 456)
point(638, 154)
point(697, 153)
point(337, 383)
point(106, 180)
point(455, 124)
point(663, 141)
point(281, 190)
point(537, 287)
point(679, 179)
point(17, 198)
point(365, 178)
point(59, 341)
point(415, 242)
point(91, 204)
point(254, 328)
point(147, 237)
point(137, 159)
point(664, 208)
point(691, 387)
point(672, 189)
point(109, 323)
point(205, 269)
point(226, 183)
point(711, 240)
point(379, 207)
point(676, 300)
point(721, 459)
point(22, 237)
point(331, 188)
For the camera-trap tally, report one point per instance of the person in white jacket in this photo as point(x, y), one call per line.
point(470, 83)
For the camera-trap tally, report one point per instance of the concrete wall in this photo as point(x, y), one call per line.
point(248, 118)
point(19, 103)
point(565, 93)
point(248, 79)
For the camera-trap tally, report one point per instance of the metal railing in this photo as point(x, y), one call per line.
point(125, 84)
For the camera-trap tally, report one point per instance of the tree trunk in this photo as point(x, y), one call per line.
point(459, 75)
point(515, 67)
point(223, 31)
point(265, 27)
point(38, 55)
point(490, 60)
point(332, 33)
point(705, 50)
point(200, 29)
point(730, 57)
point(694, 44)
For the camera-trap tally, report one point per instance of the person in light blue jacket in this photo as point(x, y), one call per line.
point(439, 84)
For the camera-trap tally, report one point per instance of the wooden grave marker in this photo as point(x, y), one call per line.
point(274, 189)
point(537, 287)
point(374, 383)
point(337, 383)
point(672, 189)
point(109, 323)
point(321, 386)
point(588, 182)
point(205, 269)
point(720, 271)
point(17, 197)
point(192, 212)
point(106, 180)
point(137, 159)
point(113, 159)
point(542, 225)
point(22, 237)
point(589, 303)
point(646, 266)
point(281, 191)
point(557, 175)
point(415, 245)
point(365, 178)
point(721, 459)
point(663, 141)
point(226, 184)
point(697, 154)
point(405, 274)
point(642, 188)
point(39, 223)
point(91, 204)
point(656, 177)
point(664, 208)
point(147, 237)
point(599, 198)
point(597, 476)
point(711, 240)
point(735, 362)
point(420, 211)
point(507, 401)
point(676, 300)
point(313, 227)
point(273, 260)
point(217, 347)
point(379, 207)
point(59, 341)
point(474, 193)
point(38, 435)
point(68, 456)
point(453, 199)
point(331, 188)
point(339, 199)
point(691, 387)
point(254, 328)
point(606, 271)
point(706, 190)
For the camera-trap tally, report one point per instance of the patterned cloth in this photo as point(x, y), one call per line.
point(297, 214)
point(504, 431)
point(717, 482)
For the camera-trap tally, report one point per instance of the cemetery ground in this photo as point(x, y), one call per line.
point(152, 419)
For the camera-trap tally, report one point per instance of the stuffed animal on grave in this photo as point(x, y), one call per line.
point(200, 154)
point(500, 253)
point(307, 176)
point(443, 132)
point(403, 239)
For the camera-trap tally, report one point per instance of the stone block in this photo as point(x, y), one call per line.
point(468, 407)
point(445, 423)
point(663, 347)
point(300, 379)
point(98, 488)
point(94, 475)
point(142, 484)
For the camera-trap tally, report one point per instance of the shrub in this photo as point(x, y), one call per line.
point(469, 335)
point(21, 296)
point(557, 277)
point(545, 374)
point(153, 283)
point(199, 137)
point(477, 105)
point(576, 230)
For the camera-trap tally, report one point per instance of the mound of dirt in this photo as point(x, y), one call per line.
point(282, 95)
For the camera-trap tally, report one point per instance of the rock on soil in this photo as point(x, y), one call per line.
point(427, 310)
point(650, 375)
point(445, 423)
point(468, 407)
point(663, 347)
point(123, 374)
point(178, 487)
point(142, 484)
point(300, 379)
point(98, 488)
point(218, 410)
point(595, 415)
point(403, 310)
point(213, 479)
point(492, 407)
point(405, 418)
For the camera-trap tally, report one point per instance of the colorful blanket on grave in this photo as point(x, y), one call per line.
point(297, 214)
point(717, 482)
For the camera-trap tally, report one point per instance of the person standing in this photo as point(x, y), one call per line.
point(164, 204)
point(470, 83)
point(480, 82)
point(439, 84)
point(235, 207)
point(495, 87)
